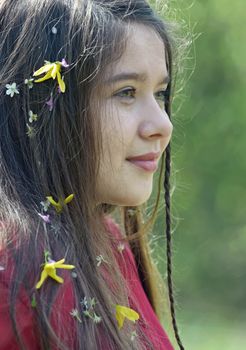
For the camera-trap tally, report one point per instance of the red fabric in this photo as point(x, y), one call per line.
point(64, 303)
point(24, 314)
point(151, 324)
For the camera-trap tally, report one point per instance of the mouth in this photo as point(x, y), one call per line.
point(147, 162)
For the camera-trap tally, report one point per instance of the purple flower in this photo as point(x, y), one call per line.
point(50, 261)
point(46, 218)
point(64, 63)
point(50, 103)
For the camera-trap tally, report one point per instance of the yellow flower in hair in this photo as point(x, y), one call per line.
point(52, 70)
point(123, 312)
point(49, 270)
point(60, 204)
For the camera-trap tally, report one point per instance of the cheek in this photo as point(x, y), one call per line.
point(113, 151)
point(118, 183)
point(119, 134)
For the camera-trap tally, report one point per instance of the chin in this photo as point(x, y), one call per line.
point(132, 194)
point(130, 200)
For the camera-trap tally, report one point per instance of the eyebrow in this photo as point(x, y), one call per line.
point(141, 77)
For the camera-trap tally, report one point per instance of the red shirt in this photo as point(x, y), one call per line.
point(148, 318)
point(65, 300)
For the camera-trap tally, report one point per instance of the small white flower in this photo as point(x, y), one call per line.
point(29, 82)
point(32, 117)
point(45, 205)
point(11, 89)
point(75, 313)
point(84, 302)
point(88, 304)
point(2, 268)
point(121, 247)
point(87, 313)
point(100, 259)
point(92, 302)
point(88, 309)
point(97, 319)
point(31, 132)
point(56, 226)
point(54, 30)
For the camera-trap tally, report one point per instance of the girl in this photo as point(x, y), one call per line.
point(85, 99)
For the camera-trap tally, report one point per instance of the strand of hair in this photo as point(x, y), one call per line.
point(169, 244)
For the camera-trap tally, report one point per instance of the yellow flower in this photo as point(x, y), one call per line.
point(49, 270)
point(60, 204)
point(123, 312)
point(52, 70)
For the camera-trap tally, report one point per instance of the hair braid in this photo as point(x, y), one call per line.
point(169, 243)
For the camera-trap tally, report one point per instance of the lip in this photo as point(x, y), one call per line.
point(146, 161)
point(146, 156)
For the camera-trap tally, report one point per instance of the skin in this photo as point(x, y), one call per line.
point(134, 119)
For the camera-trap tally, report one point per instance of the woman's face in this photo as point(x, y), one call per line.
point(134, 121)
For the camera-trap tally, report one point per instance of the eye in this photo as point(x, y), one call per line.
point(127, 93)
point(162, 95)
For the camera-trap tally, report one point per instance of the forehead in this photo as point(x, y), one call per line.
point(144, 53)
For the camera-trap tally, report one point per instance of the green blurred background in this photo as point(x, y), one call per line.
point(209, 171)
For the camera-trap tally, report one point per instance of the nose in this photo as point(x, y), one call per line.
point(155, 123)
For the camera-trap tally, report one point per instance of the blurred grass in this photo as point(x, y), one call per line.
point(210, 331)
point(209, 167)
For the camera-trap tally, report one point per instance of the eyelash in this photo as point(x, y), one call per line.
point(163, 94)
point(120, 93)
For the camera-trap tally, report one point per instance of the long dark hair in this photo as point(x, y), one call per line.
point(59, 155)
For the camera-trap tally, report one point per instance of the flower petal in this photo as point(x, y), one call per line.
point(127, 312)
point(61, 82)
point(43, 69)
point(59, 262)
point(65, 266)
point(55, 70)
point(46, 218)
point(68, 199)
point(46, 77)
point(53, 275)
point(43, 277)
point(64, 63)
point(49, 269)
point(53, 202)
point(120, 319)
